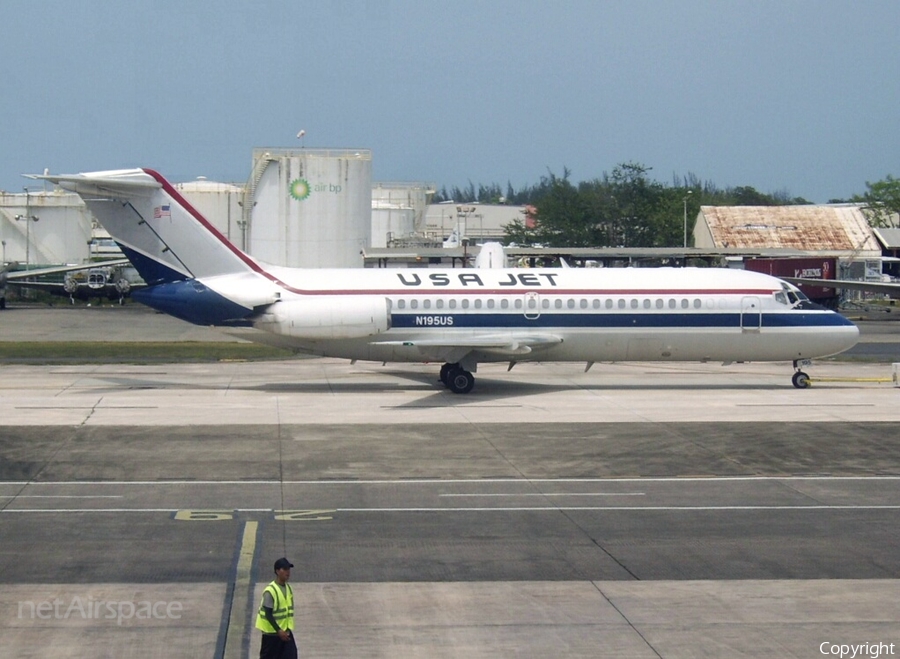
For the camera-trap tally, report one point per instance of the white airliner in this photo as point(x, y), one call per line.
point(457, 316)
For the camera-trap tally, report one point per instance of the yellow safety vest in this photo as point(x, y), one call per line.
point(283, 611)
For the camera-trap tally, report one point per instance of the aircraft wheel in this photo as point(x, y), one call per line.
point(445, 373)
point(460, 381)
point(801, 380)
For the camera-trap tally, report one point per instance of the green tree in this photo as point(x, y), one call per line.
point(881, 201)
point(625, 208)
point(562, 218)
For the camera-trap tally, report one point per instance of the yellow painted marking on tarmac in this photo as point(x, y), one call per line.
point(204, 515)
point(237, 621)
point(879, 380)
point(303, 515)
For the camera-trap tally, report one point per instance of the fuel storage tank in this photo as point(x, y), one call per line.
point(40, 228)
point(220, 203)
point(309, 208)
point(398, 210)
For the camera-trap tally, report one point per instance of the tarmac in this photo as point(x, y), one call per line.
point(636, 510)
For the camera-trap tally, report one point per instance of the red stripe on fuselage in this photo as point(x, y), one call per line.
point(522, 291)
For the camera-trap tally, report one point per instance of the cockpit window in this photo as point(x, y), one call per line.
point(791, 296)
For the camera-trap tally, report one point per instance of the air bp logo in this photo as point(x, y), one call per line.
point(300, 189)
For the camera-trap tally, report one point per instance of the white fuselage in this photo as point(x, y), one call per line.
point(640, 314)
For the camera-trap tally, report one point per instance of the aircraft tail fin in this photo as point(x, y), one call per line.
point(161, 233)
point(192, 271)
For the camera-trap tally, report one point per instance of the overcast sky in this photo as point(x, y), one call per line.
point(788, 95)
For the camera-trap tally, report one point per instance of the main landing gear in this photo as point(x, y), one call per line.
point(457, 379)
point(800, 379)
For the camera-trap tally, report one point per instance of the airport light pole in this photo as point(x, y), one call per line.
point(685, 200)
point(28, 220)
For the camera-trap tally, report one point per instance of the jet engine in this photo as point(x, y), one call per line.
point(328, 317)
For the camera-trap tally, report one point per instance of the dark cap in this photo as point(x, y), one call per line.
point(283, 564)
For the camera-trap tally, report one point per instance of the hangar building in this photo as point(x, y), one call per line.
point(839, 230)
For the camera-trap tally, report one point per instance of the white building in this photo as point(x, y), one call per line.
point(45, 228)
point(478, 222)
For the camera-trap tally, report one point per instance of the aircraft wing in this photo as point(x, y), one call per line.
point(492, 344)
point(887, 288)
point(51, 286)
point(25, 274)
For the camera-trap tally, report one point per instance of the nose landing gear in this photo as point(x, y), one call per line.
point(800, 379)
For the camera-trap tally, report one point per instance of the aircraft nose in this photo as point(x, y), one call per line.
point(846, 336)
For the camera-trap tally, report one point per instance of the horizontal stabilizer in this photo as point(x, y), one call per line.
point(103, 183)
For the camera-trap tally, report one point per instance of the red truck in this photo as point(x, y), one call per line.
point(812, 268)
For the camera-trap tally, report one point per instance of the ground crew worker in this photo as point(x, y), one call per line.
point(276, 616)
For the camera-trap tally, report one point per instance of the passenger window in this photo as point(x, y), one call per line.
point(570, 303)
point(621, 304)
point(697, 303)
point(478, 303)
point(413, 304)
point(532, 303)
point(439, 304)
point(426, 304)
point(545, 303)
point(647, 304)
point(634, 304)
point(452, 304)
point(672, 304)
point(660, 304)
point(609, 304)
point(558, 304)
point(490, 303)
point(685, 304)
point(596, 304)
point(583, 304)
point(504, 303)
point(401, 304)
point(465, 304)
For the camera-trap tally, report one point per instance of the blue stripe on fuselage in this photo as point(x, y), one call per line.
point(190, 300)
point(609, 320)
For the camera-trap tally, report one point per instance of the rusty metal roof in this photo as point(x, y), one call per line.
point(838, 227)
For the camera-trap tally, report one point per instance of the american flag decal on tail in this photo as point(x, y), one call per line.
point(162, 211)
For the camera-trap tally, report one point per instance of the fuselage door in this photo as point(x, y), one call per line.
point(751, 314)
point(532, 305)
